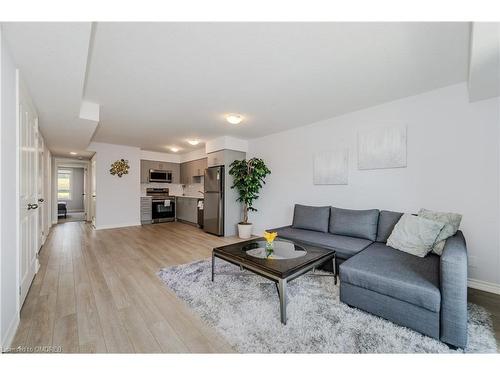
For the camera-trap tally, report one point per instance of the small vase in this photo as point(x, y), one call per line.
point(269, 249)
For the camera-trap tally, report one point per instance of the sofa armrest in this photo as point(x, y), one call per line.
point(453, 274)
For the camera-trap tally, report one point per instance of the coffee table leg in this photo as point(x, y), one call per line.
point(335, 268)
point(282, 293)
point(213, 266)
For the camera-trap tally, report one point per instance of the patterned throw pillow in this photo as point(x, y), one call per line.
point(451, 223)
point(414, 235)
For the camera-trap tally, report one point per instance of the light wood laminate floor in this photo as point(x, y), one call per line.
point(97, 291)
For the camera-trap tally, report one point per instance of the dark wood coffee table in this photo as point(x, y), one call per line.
point(289, 261)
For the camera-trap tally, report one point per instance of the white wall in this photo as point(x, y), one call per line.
point(173, 158)
point(160, 156)
point(484, 61)
point(193, 155)
point(9, 316)
point(117, 199)
point(453, 165)
point(226, 143)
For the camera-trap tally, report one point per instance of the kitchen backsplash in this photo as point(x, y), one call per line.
point(194, 190)
point(175, 189)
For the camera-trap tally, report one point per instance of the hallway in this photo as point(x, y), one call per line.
point(72, 216)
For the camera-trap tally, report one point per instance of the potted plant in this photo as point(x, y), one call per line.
point(248, 179)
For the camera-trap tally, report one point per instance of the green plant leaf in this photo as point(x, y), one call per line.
point(248, 178)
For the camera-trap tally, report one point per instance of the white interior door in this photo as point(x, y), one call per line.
point(41, 193)
point(85, 183)
point(28, 192)
point(93, 191)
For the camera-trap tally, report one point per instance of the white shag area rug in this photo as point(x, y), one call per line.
point(244, 309)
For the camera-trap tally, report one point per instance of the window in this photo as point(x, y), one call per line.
point(64, 182)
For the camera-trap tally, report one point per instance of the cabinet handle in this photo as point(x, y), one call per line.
point(41, 200)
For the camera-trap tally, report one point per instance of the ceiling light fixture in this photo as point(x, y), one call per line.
point(193, 142)
point(234, 118)
point(73, 153)
point(174, 149)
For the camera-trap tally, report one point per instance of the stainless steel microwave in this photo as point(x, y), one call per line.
point(157, 175)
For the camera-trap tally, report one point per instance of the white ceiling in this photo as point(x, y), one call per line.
point(160, 83)
point(52, 58)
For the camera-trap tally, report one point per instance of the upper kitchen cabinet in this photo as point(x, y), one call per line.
point(192, 171)
point(146, 165)
point(199, 166)
point(215, 159)
point(184, 173)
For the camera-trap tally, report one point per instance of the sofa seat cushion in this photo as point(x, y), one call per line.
point(393, 273)
point(344, 246)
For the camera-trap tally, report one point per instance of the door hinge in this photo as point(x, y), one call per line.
point(19, 290)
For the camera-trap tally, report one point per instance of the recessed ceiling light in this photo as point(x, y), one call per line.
point(234, 118)
point(73, 153)
point(193, 142)
point(174, 149)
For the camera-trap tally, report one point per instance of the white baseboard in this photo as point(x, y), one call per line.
point(11, 332)
point(484, 286)
point(113, 226)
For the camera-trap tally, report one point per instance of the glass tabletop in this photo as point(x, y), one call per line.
point(281, 250)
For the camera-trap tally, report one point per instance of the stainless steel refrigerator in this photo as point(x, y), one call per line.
point(213, 210)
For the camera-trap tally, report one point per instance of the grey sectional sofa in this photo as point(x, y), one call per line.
point(426, 294)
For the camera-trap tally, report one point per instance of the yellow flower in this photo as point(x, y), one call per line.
point(270, 236)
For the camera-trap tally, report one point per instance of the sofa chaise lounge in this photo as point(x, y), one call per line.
point(426, 294)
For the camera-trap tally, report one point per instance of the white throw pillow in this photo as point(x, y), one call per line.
point(414, 235)
point(451, 223)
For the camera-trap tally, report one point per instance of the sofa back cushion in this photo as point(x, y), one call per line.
point(386, 223)
point(354, 223)
point(311, 218)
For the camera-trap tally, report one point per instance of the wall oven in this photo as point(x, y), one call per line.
point(158, 175)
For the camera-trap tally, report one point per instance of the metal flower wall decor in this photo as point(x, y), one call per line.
point(119, 167)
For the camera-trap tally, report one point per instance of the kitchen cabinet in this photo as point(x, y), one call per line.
point(144, 171)
point(216, 158)
point(146, 210)
point(187, 209)
point(198, 167)
point(184, 170)
point(146, 165)
point(192, 171)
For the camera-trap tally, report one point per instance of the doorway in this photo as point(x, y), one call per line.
point(71, 194)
